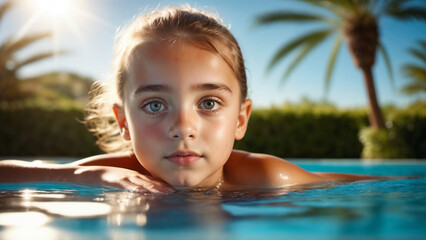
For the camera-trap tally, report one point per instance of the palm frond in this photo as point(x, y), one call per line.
point(422, 44)
point(388, 64)
point(38, 57)
point(12, 46)
point(418, 54)
point(288, 16)
point(291, 46)
point(328, 4)
point(398, 11)
point(338, 7)
point(307, 48)
point(415, 72)
point(5, 7)
point(395, 4)
point(414, 88)
point(421, 52)
point(348, 5)
point(332, 61)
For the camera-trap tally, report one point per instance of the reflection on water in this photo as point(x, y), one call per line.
point(70, 209)
point(28, 212)
point(29, 207)
point(24, 219)
point(65, 211)
point(128, 209)
point(33, 233)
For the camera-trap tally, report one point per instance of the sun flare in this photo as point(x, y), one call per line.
point(65, 19)
point(68, 23)
point(54, 8)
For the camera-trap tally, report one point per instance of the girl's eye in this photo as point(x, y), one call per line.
point(208, 104)
point(154, 107)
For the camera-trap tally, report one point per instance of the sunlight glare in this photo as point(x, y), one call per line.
point(21, 219)
point(73, 209)
point(54, 8)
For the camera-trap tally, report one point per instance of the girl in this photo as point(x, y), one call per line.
point(178, 102)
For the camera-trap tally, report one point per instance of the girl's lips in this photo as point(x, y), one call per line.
point(183, 157)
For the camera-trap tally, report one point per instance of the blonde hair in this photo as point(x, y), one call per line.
point(171, 25)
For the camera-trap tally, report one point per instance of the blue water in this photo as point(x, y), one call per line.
point(392, 209)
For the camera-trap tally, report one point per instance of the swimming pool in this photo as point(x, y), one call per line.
point(393, 209)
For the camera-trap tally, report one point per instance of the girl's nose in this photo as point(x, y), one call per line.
point(183, 126)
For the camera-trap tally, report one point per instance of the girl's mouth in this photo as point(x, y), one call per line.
point(183, 157)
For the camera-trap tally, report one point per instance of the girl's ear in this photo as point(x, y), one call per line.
point(243, 118)
point(120, 116)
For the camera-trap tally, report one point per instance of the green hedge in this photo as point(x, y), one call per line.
point(405, 137)
point(307, 134)
point(317, 132)
point(41, 130)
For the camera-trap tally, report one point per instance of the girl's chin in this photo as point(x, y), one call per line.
point(184, 183)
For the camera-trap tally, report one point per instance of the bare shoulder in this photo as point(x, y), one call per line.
point(123, 160)
point(263, 170)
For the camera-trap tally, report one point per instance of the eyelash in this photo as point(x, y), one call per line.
point(216, 100)
point(146, 104)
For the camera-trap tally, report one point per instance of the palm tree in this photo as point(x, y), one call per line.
point(356, 22)
point(9, 64)
point(416, 72)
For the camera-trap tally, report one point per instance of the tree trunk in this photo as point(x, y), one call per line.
point(361, 32)
point(375, 115)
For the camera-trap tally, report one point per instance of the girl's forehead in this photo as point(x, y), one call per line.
point(177, 64)
point(164, 51)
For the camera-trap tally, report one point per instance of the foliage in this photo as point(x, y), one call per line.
point(354, 20)
point(301, 132)
point(416, 72)
point(404, 137)
point(57, 87)
point(343, 14)
point(10, 65)
point(48, 121)
point(41, 129)
point(409, 124)
point(310, 130)
point(382, 143)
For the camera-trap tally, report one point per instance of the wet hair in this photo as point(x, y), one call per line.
point(172, 25)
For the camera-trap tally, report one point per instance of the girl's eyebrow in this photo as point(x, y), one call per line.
point(151, 88)
point(166, 88)
point(212, 86)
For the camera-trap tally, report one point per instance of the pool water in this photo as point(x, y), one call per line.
point(392, 209)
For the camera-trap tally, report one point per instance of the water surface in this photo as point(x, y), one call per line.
point(392, 209)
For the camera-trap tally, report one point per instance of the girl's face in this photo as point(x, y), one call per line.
point(182, 112)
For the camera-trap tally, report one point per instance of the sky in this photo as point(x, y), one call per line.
point(86, 29)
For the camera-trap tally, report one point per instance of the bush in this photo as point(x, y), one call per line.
point(383, 143)
point(412, 129)
point(36, 129)
point(307, 134)
point(408, 127)
point(325, 132)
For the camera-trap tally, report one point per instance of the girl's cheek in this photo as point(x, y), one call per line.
point(147, 128)
point(152, 131)
point(220, 129)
